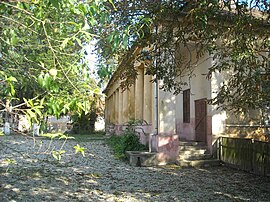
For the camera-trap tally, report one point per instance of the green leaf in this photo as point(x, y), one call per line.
point(58, 154)
point(125, 41)
point(12, 90)
point(82, 7)
point(38, 111)
point(30, 102)
point(63, 137)
point(62, 152)
point(53, 72)
point(79, 149)
point(93, 21)
point(110, 37)
point(11, 79)
point(111, 2)
point(40, 79)
point(55, 3)
point(97, 91)
point(64, 43)
point(79, 41)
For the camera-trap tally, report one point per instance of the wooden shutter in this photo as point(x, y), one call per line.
point(186, 106)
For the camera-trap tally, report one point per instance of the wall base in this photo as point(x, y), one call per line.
point(166, 147)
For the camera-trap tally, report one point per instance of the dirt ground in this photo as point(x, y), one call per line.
point(28, 172)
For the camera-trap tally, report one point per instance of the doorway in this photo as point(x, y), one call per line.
point(201, 120)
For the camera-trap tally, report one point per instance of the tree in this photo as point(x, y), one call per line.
point(41, 55)
point(236, 34)
point(42, 66)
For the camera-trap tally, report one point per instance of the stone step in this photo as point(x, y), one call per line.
point(181, 148)
point(193, 152)
point(195, 157)
point(198, 163)
point(191, 143)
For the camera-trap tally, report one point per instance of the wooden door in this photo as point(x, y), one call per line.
point(201, 120)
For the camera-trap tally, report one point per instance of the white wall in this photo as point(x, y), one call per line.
point(167, 113)
point(200, 87)
point(218, 116)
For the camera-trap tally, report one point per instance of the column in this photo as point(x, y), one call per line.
point(125, 106)
point(131, 102)
point(147, 111)
point(109, 111)
point(113, 108)
point(106, 110)
point(117, 106)
point(120, 107)
point(139, 93)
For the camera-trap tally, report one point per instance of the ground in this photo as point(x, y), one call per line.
point(28, 173)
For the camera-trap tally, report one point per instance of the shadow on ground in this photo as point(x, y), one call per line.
point(100, 177)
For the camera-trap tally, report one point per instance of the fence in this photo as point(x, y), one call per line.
point(245, 154)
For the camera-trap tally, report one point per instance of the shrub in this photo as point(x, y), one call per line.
point(128, 141)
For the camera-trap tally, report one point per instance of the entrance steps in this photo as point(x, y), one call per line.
point(195, 154)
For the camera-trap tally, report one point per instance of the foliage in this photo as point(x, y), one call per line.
point(234, 33)
point(42, 66)
point(105, 68)
point(58, 154)
point(135, 122)
point(84, 123)
point(128, 141)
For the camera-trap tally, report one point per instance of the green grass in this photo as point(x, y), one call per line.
point(89, 137)
point(77, 137)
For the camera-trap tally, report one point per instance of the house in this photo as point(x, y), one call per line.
point(185, 116)
point(171, 118)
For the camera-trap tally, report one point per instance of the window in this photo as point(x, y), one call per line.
point(186, 106)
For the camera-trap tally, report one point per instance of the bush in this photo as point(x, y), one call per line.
point(128, 141)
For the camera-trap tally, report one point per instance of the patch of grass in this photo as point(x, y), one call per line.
point(56, 136)
point(89, 137)
point(77, 137)
point(129, 141)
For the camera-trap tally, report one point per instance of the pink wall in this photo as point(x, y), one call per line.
point(167, 148)
point(186, 131)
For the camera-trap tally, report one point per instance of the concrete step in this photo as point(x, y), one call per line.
point(191, 143)
point(185, 147)
point(193, 152)
point(195, 157)
point(199, 163)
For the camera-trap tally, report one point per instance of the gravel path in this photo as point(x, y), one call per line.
point(37, 176)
